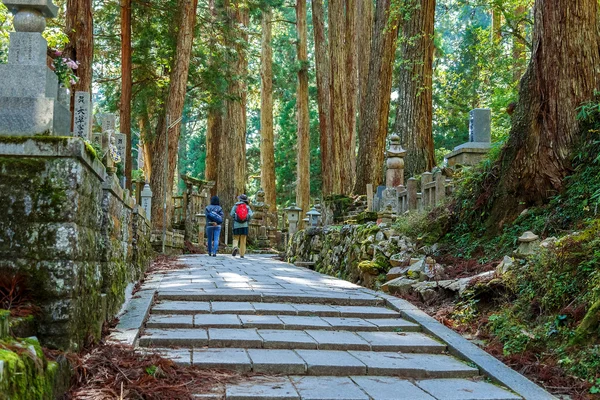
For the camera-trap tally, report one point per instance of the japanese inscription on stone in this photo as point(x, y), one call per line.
point(82, 115)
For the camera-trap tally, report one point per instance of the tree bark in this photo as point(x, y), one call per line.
point(267, 141)
point(561, 75)
point(232, 176)
point(352, 85)
point(79, 27)
point(214, 132)
point(303, 132)
point(375, 109)
point(414, 114)
point(125, 106)
point(363, 47)
point(174, 109)
point(323, 73)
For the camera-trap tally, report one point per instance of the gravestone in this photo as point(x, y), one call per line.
point(82, 113)
point(480, 134)
point(29, 102)
point(121, 143)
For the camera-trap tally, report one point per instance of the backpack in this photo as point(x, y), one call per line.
point(241, 213)
point(214, 217)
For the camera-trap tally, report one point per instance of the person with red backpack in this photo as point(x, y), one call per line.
point(241, 214)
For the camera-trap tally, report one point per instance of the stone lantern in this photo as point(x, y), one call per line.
point(528, 244)
point(293, 217)
point(394, 175)
point(313, 217)
point(147, 201)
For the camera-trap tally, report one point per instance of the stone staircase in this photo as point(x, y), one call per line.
point(311, 336)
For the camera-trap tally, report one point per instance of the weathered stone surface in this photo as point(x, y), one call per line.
point(462, 389)
point(327, 388)
point(273, 361)
point(261, 321)
point(349, 324)
point(394, 324)
point(274, 309)
point(263, 388)
point(366, 312)
point(304, 322)
point(401, 286)
point(339, 340)
point(232, 307)
point(170, 321)
point(232, 359)
point(217, 321)
point(174, 337)
point(389, 388)
point(281, 339)
point(395, 272)
point(330, 362)
point(181, 307)
point(243, 338)
point(406, 342)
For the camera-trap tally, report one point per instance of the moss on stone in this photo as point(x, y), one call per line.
point(89, 149)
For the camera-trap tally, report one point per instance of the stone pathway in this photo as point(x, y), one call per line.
point(311, 335)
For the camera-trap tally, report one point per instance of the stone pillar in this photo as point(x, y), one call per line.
point(426, 177)
point(440, 188)
point(29, 103)
point(394, 175)
point(411, 187)
point(82, 115)
point(147, 201)
point(370, 197)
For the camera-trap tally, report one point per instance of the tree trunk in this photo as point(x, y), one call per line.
point(561, 75)
point(267, 141)
point(232, 171)
point(125, 106)
point(414, 114)
point(375, 109)
point(144, 124)
point(352, 86)
point(323, 72)
point(303, 132)
point(79, 26)
point(214, 132)
point(363, 47)
point(519, 45)
point(174, 109)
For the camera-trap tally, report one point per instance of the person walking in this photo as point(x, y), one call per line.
point(214, 219)
point(241, 214)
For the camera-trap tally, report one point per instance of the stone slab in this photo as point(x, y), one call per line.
point(394, 325)
point(231, 359)
point(286, 339)
point(217, 321)
point(338, 340)
point(174, 337)
point(263, 388)
point(327, 388)
point(261, 321)
point(331, 362)
point(181, 307)
point(389, 388)
point(464, 389)
point(178, 356)
point(366, 312)
point(170, 321)
point(210, 295)
point(321, 310)
point(244, 338)
point(418, 366)
point(232, 307)
point(274, 309)
point(406, 342)
point(273, 361)
point(354, 324)
point(303, 322)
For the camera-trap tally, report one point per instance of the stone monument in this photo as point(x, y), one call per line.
point(480, 139)
point(29, 102)
point(394, 175)
point(82, 115)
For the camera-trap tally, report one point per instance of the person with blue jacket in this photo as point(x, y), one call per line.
point(214, 219)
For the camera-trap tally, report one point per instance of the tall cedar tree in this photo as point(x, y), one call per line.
point(80, 31)
point(173, 108)
point(125, 106)
point(375, 108)
point(267, 141)
point(562, 74)
point(303, 132)
point(414, 114)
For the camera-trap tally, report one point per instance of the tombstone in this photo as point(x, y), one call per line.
point(411, 187)
point(29, 103)
point(121, 143)
point(480, 138)
point(140, 157)
point(82, 115)
point(390, 198)
point(370, 197)
point(394, 175)
point(147, 201)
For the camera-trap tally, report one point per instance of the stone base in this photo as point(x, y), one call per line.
point(468, 155)
point(28, 116)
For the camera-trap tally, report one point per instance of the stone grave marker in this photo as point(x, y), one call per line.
point(480, 134)
point(82, 115)
point(121, 143)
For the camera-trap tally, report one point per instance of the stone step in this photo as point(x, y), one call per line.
point(350, 298)
point(406, 342)
point(294, 322)
point(252, 308)
point(361, 388)
point(323, 362)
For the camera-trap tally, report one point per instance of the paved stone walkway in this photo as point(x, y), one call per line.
point(311, 335)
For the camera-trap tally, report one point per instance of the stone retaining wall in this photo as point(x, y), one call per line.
point(70, 229)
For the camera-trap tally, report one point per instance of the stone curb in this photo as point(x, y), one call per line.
point(462, 348)
point(130, 324)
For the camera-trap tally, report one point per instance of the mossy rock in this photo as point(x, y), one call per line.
point(366, 216)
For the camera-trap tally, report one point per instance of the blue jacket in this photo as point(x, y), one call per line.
point(236, 224)
point(215, 209)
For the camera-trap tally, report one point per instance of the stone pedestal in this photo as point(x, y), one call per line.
point(29, 102)
point(394, 175)
point(480, 137)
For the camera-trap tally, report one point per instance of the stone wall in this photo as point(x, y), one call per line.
point(358, 253)
point(69, 228)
